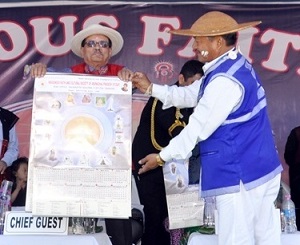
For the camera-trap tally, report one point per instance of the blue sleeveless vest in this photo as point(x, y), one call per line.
point(242, 148)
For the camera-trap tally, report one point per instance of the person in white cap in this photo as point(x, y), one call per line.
point(240, 164)
point(96, 44)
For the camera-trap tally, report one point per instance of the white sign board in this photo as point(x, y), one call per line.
point(23, 223)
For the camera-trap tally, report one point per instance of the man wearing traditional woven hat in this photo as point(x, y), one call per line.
point(96, 44)
point(240, 165)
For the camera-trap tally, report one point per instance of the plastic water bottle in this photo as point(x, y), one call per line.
point(5, 205)
point(288, 209)
point(209, 212)
point(2, 216)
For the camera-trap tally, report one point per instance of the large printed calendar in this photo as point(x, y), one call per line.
point(185, 207)
point(80, 147)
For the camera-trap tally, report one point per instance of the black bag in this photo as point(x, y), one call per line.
point(137, 224)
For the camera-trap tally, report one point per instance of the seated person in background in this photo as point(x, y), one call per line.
point(292, 158)
point(9, 141)
point(19, 169)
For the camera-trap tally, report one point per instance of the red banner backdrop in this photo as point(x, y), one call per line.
point(30, 34)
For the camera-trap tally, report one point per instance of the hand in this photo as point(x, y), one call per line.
point(148, 163)
point(3, 166)
point(141, 81)
point(21, 184)
point(125, 74)
point(38, 70)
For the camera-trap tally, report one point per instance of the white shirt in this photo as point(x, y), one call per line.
point(221, 97)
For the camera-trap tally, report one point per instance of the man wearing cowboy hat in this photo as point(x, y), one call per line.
point(96, 44)
point(240, 165)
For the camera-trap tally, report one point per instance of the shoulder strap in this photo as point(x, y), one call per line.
point(177, 123)
point(152, 129)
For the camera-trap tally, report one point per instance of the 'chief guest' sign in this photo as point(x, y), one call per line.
point(20, 223)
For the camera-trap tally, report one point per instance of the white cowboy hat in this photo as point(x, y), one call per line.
point(113, 35)
point(214, 23)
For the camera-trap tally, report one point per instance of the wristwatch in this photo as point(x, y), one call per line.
point(159, 161)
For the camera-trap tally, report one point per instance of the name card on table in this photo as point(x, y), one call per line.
point(23, 223)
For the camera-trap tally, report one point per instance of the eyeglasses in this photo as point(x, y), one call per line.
point(102, 44)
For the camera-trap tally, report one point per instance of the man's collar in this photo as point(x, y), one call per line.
point(211, 63)
point(92, 70)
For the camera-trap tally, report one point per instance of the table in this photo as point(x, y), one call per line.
point(198, 238)
point(93, 239)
